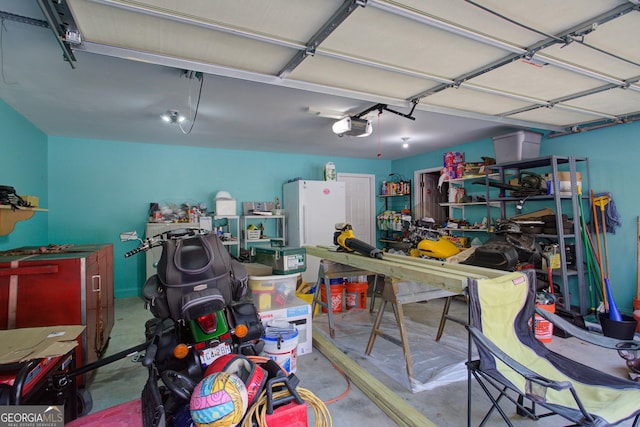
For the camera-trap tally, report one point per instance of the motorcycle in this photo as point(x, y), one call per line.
point(198, 295)
point(200, 317)
point(508, 250)
point(429, 242)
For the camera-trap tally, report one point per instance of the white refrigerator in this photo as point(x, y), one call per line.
point(312, 210)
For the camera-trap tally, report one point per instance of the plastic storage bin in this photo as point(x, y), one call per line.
point(271, 292)
point(252, 234)
point(516, 146)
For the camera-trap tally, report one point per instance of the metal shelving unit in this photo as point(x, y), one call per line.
point(561, 204)
point(280, 229)
point(232, 226)
point(395, 202)
point(458, 210)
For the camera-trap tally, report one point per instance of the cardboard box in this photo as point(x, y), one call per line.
point(473, 168)
point(34, 201)
point(534, 215)
point(22, 344)
point(297, 312)
point(225, 207)
point(453, 163)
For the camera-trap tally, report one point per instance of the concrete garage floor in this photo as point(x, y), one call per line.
point(444, 405)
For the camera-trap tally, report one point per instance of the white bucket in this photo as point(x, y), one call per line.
point(281, 344)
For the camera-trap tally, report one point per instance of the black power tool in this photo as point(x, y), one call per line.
point(347, 242)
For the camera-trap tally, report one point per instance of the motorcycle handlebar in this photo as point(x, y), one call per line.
point(144, 246)
point(133, 252)
point(159, 239)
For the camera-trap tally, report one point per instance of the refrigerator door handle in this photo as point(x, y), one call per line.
point(303, 237)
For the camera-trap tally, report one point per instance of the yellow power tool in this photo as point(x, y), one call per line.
point(346, 241)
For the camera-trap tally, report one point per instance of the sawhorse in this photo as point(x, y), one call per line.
point(332, 270)
point(399, 293)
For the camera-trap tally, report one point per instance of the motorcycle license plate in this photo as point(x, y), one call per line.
point(208, 355)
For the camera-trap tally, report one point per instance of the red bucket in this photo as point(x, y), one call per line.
point(356, 295)
point(543, 328)
point(336, 297)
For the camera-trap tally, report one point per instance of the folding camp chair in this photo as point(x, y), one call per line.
point(514, 366)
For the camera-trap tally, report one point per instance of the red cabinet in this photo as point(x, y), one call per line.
point(74, 287)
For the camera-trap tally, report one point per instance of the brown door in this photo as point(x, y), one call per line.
point(431, 197)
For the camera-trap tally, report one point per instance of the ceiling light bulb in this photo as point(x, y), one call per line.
point(405, 145)
point(172, 116)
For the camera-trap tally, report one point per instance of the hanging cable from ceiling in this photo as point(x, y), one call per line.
point(577, 37)
point(193, 112)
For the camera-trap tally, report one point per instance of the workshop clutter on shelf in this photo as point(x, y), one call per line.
point(396, 188)
point(8, 196)
point(392, 220)
point(253, 232)
point(168, 211)
point(453, 163)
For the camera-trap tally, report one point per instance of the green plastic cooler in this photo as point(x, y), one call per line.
point(283, 260)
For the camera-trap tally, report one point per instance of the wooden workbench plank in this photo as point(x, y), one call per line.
point(393, 405)
point(454, 281)
point(468, 270)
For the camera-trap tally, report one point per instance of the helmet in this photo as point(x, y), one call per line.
point(223, 195)
point(253, 376)
point(508, 227)
point(219, 400)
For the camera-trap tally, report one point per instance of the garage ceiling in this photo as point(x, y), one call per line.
point(480, 67)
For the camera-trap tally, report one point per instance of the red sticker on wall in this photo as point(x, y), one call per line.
point(326, 191)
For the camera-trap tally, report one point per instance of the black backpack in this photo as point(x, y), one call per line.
point(199, 276)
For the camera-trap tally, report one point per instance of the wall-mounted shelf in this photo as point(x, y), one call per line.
point(462, 205)
point(9, 217)
point(483, 230)
point(457, 210)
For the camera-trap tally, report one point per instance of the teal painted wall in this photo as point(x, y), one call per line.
point(96, 189)
point(613, 162)
point(23, 150)
point(473, 152)
point(100, 188)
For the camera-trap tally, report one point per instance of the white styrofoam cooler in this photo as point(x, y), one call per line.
point(297, 312)
point(517, 146)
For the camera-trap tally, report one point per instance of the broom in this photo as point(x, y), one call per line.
point(597, 230)
point(614, 313)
